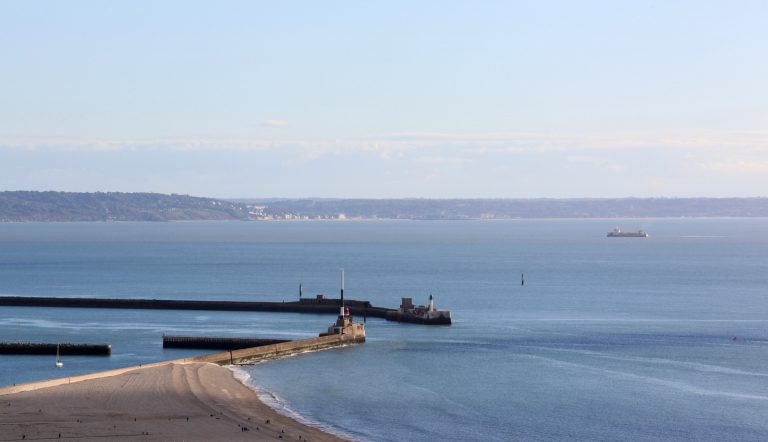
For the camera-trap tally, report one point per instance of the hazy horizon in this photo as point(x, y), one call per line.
point(305, 197)
point(386, 100)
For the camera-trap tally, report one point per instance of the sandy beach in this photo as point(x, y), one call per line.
point(174, 401)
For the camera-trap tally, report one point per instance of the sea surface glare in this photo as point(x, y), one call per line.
point(609, 339)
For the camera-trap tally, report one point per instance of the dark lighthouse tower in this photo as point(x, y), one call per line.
point(344, 324)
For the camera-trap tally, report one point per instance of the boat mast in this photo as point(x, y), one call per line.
point(59, 364)
point(342, 292)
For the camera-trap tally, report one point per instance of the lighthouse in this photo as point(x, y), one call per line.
point(344, 324)
point(342, 293)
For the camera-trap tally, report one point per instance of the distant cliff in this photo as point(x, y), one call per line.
point(113, 206)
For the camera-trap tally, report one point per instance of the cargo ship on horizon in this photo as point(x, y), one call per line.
point(617, 232)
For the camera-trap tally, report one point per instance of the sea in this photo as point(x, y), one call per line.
point(559, 333)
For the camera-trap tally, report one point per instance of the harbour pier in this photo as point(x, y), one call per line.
point(306, 305)
point(317, 305)
point(273, 351)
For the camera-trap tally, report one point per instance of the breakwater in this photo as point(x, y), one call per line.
point(312, 305)
point(66, 349)
point(216, 343)
point(319, 305)
point(256, 354)
point(324, 305)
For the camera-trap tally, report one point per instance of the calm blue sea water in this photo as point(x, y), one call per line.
point(609, 339)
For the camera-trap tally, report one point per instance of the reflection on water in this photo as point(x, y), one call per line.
point(609, 339)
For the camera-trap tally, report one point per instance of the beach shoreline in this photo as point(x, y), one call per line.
point(174, 400)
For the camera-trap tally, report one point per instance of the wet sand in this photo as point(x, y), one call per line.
point(172, 401)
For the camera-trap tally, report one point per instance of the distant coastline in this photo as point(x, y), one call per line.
point(29, 206)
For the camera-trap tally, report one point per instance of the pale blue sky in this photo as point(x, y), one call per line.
point(386, 99)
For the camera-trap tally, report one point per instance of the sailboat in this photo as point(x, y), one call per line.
point(59, 364)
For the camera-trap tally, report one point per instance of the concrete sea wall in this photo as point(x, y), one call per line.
point(330, 306)
point(255, 354)
point(306, 305)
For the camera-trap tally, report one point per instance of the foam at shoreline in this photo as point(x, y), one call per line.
point(279, 405)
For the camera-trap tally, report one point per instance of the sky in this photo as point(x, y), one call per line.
point(386, 99)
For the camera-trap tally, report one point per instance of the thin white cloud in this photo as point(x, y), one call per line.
point(602, 163)
point(433, 144)
point(671, 164)
point(274, 123)
point(432, 159)
point(736, 166)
